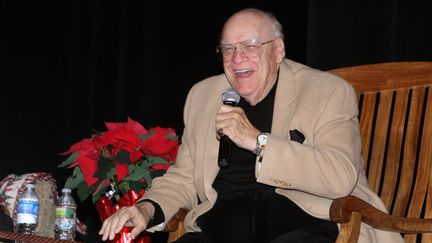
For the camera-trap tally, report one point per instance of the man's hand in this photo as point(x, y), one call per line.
point(136, 217)
point(235, 124)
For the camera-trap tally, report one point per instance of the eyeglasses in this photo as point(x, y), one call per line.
point(249, 48)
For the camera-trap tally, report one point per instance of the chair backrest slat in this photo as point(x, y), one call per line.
point(378, 145)
point(366, 124)
point(426, 155)
point(395, 104)
point(410, 153)
point(394, 146)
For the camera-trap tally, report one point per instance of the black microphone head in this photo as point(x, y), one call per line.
point(230, 97)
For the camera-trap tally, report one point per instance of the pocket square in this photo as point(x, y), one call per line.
point(297, 136)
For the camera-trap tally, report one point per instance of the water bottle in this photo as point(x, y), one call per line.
point(65, 216)
point(28, 211)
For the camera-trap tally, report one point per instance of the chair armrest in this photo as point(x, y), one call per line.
point(342, 209)
point(175, 225)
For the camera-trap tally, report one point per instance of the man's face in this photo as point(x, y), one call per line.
point(250, 56)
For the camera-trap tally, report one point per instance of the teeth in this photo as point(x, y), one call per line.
point(243, 71)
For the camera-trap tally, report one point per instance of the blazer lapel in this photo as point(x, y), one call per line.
point(284, 101)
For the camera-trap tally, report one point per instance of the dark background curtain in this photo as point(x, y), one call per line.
point(68, 66)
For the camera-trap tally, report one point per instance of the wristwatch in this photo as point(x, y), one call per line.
point(260, 145)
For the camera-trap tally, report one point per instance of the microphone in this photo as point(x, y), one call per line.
point(232, 98)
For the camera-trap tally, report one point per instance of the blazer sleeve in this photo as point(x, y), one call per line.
point(175, 189)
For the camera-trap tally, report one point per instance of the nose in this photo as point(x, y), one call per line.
point(239, 55)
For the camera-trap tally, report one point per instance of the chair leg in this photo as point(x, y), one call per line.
point(173, 236)
point(349, 232)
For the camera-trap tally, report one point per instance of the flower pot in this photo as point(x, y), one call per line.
point(106, 208)
point(125, 237)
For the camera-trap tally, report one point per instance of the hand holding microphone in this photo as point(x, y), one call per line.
point(232, 98)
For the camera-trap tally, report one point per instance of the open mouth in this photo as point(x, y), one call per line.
point(244, 73)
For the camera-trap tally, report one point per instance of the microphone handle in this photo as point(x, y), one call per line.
point(225, 147)
point(230, 102)
point(225, 144)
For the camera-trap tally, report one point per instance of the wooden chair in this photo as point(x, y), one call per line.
point(395, 102)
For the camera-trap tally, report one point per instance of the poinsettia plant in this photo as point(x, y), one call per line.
point(127, 154)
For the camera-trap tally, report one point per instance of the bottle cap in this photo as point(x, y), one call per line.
point(31, 186)
point(66, 190)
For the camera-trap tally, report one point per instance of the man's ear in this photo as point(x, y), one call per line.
point(280, 50)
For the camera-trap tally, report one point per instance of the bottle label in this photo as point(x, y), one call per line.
point(66, 212)
point(28, 212)
point(64, 219)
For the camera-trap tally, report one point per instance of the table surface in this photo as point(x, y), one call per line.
point(31, 238)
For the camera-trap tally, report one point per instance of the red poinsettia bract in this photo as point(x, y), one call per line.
point(129, 137)
point(160, 145)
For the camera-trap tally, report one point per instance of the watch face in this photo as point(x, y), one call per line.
point(262, 139)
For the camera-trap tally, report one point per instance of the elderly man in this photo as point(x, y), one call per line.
point(296, 147)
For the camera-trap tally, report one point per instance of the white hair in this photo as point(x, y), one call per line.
point(276, 26)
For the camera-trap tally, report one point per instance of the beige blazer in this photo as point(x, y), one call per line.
point(326, 166)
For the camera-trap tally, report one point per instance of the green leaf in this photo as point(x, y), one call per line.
point(155, 160)
point(97, 195)
point(83, 191)
point(147, 177)
point(111, 173)
point(122, 157)
point(106, 151)
point(131, 169)
point(137, 186)
point(75, 179)
point(157, 173)
point(123, 187)
point(172, 137)
point(136, 174)
point(100, 185)
point(147, 135)
point(104, 166)
point(70, 159)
